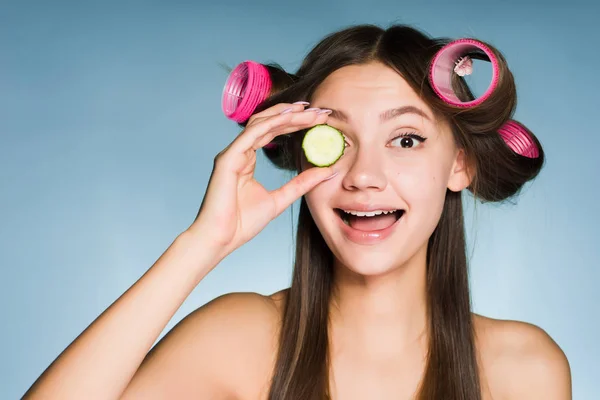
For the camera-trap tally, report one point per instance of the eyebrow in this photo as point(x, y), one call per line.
point(384, 116)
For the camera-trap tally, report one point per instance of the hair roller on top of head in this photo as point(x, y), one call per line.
point(517, 137)
point(455, 57)
point(247, 86)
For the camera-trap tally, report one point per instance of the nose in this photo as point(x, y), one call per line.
point(366, 171)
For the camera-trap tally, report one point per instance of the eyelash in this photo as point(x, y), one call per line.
point(412, 135)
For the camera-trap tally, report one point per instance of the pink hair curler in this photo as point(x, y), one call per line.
point(247, 86)
point(453, 58)
point(518, 139)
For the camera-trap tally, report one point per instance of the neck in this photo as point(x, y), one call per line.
point(381, 314)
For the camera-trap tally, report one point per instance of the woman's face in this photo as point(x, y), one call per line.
point(403, 160)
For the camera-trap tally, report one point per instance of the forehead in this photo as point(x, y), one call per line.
point(365, 93)
point(372, 83)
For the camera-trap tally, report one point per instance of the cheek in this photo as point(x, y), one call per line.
point(423, 188)
point(423, 183)
point(319, 197)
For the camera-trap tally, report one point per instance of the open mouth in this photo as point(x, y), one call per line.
point(370, 222)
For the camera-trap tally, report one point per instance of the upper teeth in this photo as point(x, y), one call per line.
point(369, 213)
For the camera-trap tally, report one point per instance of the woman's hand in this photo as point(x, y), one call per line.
point(236, 207)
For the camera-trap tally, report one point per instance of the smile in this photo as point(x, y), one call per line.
point(370, 227)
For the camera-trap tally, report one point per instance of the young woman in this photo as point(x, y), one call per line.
point(379, 304)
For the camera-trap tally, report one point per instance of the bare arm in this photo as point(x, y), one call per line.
point(100, 363)
point(525, 363)
point(223, 350)
point(542, 370)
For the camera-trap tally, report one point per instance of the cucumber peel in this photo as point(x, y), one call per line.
point(323, 145)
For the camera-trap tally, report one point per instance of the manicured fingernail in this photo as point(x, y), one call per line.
point(304, 103)
point(312, 109)
point(324, 111)
point(287, 110)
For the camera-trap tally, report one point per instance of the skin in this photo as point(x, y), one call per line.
point(378, 312)
point(226, 348)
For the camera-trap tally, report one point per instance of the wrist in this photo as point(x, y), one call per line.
point(205, 255)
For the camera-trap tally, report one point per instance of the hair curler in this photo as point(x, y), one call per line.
point(517, 137)
point(454, 58)
point(247, 86)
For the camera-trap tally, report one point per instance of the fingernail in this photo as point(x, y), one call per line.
point(312, 109)
point(324, 111)
point(287, 110)
point(305, 103)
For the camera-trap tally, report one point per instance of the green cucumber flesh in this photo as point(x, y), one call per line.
point(323, 145)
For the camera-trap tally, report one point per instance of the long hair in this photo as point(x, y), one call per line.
point(451, 371)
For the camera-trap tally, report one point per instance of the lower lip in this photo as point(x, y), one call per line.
point(366, 237)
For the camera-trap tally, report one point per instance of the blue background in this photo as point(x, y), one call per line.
point(110, 118)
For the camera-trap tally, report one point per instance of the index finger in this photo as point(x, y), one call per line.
point(276, 109)
point(264, 131)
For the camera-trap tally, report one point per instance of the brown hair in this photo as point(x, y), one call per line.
point(302, 366)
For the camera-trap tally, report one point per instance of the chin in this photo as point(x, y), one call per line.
point(368, 264)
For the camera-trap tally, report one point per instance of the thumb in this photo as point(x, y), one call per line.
point(299, 186)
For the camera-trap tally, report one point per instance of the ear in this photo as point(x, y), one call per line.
point(461, 174)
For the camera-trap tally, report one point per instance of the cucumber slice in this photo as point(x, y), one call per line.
point(323, 145)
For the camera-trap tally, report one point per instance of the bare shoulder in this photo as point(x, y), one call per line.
point(521, 361)
point(224, 349)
